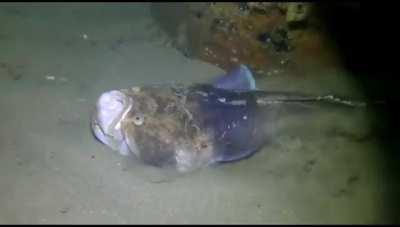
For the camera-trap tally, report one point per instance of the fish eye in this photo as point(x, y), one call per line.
point(138, 119)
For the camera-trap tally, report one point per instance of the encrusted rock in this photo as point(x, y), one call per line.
point(258, 34)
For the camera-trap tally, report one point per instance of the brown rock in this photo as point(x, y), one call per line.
point(227, 34)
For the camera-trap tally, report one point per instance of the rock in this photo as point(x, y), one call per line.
point(297, 11)
point(262, 34)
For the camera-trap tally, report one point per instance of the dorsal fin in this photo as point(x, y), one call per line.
point(240, 78)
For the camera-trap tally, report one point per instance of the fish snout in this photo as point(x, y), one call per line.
point(111, 102)
point(111, 108)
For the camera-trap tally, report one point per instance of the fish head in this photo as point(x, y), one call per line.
point(111, 109)
point(159, 129)
point(139, 120)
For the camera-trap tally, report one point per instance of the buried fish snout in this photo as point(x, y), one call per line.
point(111, 109)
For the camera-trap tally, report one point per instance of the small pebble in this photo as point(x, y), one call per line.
point(222, 99)
point(64, 210)
point(84, 36)
point(135, 89)
point(234, 59)
point(63, 79)
point(50, 77)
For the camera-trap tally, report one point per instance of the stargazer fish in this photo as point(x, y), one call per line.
point(189, 127)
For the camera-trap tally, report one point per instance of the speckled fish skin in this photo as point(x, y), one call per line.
point(189, 127)
point(235, 119)
point(184, 127)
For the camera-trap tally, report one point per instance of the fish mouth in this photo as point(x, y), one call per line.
point(110, 132)
point(116, 123)
point(103, 137)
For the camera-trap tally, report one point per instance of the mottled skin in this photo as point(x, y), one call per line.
point(169, 134)
point(188, 127)
point(193, 126)
point(184, 127)
point(234, 117)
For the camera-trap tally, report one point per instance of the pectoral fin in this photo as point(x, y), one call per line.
point(240, 78)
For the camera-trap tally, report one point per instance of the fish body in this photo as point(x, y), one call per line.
point(188, 127)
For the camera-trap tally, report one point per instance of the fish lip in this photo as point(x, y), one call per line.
point(101, 136)
point(109, 134)
point(115, 124)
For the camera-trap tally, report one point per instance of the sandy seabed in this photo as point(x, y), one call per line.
point(56, 59)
